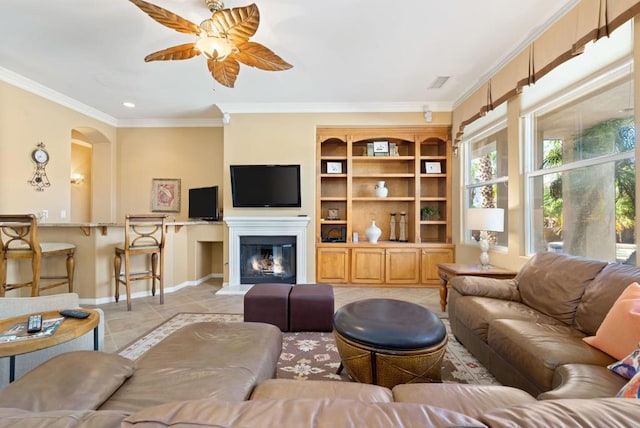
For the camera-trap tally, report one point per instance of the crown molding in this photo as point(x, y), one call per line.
point(33, 87)
point(54, 96)
point(400, 107)
point(170, 123)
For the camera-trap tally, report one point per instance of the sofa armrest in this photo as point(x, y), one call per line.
point(504, 289)
point(583, 381)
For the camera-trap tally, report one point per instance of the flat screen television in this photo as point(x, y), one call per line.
point(265, 185)
point(203, 203)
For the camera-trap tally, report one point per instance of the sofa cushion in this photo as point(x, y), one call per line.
point(619, 333)
point(601, 294)
point(80, 380)
point(301, 412)
point(254, 346)
point(554, 283)
point(536, 349)
point(627, 367)
point(471, 400)
point(477, 313)
point(18, 418)
point(152, 386)
point(291, 388)
point(631, 389)
point(601, 412)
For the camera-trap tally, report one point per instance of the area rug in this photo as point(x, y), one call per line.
point(314, 355)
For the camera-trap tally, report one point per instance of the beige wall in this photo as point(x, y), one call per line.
point(291, 139)
point(25, 120)
point(194, 155)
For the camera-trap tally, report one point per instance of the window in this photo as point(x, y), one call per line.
point(581, 175)
point(486, 184)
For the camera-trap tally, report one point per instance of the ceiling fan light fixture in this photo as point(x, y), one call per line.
point(223, 39)
point(215, 48)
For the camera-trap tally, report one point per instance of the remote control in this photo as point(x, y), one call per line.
point(74, 313)
point(34, 324)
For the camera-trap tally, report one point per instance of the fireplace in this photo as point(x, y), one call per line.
point(267, 259)
point(292, 227)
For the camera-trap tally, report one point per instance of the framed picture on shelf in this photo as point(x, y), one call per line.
point(165, 195)
point(381, 148)
point(432, 168)
point(334, 167)
point(333, 214)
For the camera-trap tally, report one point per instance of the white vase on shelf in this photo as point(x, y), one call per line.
point(373, 232)
point(381, 190)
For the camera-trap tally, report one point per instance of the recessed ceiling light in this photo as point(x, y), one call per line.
point(439, 82)
point(128, 104)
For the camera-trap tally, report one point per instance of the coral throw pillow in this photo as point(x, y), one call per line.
point(619, 333)
point(631, 389)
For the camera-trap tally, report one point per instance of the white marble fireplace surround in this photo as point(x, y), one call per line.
point(264, 226)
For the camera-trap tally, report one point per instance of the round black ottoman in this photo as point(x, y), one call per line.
point(388, 342)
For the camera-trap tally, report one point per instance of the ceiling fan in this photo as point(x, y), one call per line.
point(223, 39)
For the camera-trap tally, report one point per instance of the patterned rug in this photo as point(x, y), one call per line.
point(314, 355)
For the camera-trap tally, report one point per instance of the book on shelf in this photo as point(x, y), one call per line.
point(18, 331)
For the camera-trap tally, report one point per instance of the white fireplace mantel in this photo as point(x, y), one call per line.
point(264, 226)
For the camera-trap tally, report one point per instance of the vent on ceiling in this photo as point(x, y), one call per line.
point(439, 82)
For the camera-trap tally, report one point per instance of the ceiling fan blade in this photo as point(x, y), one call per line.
point(186, 51)
point(259, 56)
point(238, 23)
point(167, 18)
point(225, 72)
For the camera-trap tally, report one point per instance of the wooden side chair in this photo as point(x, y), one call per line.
point(143, 235)
point(19, 240)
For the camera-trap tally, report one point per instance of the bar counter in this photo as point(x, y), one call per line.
point(193, 253)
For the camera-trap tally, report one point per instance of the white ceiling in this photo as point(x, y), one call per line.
point(348, 55)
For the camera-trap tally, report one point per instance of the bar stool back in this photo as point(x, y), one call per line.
point(143, 235)
point(19, 240)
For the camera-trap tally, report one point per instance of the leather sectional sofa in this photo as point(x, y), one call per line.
point(528, 331)
point(297, 403)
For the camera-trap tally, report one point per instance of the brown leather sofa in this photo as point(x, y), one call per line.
point(293, 403)
point(528, 331)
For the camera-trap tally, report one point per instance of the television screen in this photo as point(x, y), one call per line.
point(203, 203)
point(265, 185)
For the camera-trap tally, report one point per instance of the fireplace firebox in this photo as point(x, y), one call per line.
point(267, 259)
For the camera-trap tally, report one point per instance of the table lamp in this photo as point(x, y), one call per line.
point(485, 220)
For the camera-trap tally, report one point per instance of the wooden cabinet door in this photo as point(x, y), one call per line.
point(332, 265)
point(402, 266)
point(430, 259)
point(367, 265)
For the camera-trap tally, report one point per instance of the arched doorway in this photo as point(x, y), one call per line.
point(92, 177)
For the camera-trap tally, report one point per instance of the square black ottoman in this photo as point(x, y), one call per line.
point(311, 307)
point(268, 303)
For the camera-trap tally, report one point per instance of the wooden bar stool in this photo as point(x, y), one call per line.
point(143, 235)
point(19, 239)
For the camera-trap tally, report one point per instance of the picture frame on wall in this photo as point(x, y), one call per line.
point(334, 167)
point(432, 168)
point(381, 148)
point(165, 195)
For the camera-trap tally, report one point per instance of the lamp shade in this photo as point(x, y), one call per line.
point(489, 219)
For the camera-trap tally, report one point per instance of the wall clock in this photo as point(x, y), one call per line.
point(40, 157)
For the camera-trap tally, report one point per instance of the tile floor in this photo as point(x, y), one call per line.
point(122, 327)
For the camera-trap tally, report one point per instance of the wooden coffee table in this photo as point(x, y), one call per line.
point(446, 271)
point(70, 329)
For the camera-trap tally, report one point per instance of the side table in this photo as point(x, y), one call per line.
point(68, 330)
point(446, 271)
